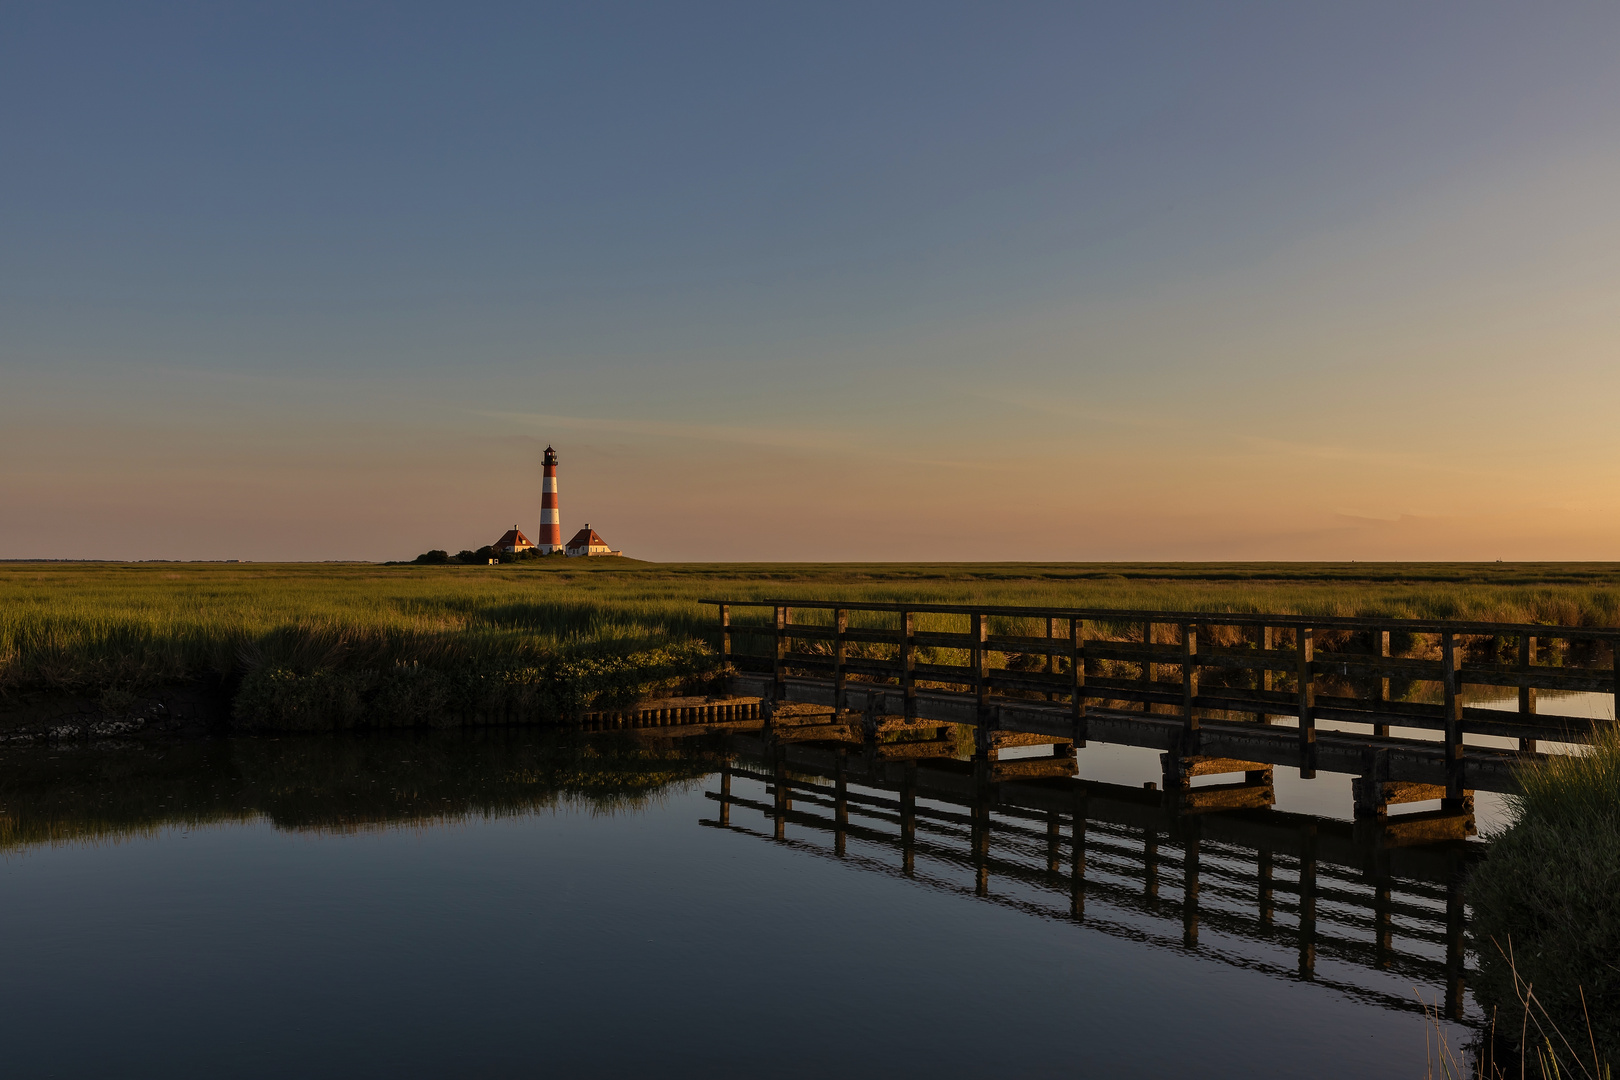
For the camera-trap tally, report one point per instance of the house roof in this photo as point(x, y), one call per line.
point(511, 538)
point(586, 537)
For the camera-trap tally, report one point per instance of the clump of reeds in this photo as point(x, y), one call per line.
point(1551, 887)
point(1539, 1050)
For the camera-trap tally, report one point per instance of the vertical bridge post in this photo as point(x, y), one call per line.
point(980, 662)
point(779, 683)
point(1077, 674)
point(1051, 658)
point(725, 633)
point(1527, 693)
point(840, 646)
point(1147, 666)
point(1262, 682)
point(1189, 689)
point(1305, 640)
point(908, 663)
point(1380, 642)
point(1450, 661)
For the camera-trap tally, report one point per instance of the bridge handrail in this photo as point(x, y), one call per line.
point(1222, 618)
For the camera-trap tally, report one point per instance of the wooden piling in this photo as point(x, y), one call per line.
point(1380, 643)
point(1305, 647)
point(979, 660)
point(908, 663)
point(840, 645)
point(1263, 676)
point(1077, 680)
point(1451, 660)
point(1189, 689)
point(779, 689)
point(1147, 665)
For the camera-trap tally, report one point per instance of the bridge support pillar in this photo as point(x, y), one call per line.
point(1374, 792)
point(1374, 798)
point(985, 745)
point(1254, 791)
point(1179, 769)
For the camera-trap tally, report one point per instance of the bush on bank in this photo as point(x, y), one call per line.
point(1549, 893)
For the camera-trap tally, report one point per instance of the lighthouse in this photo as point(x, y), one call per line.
point(550, 536)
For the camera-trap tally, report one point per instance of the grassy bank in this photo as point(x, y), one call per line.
point(303, 644)
point(1547, 909)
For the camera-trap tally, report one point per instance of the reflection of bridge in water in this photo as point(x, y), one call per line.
point(1205, 869)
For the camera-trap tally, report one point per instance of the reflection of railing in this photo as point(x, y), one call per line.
point(1127, 860)
point(1233, 675)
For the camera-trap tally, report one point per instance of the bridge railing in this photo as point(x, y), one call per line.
point(1381, 672)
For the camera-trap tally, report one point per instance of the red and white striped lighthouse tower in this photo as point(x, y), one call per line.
point(550, 537)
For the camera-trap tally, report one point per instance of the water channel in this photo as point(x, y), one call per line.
point(518, 902)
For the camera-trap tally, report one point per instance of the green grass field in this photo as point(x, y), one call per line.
point(93, 627)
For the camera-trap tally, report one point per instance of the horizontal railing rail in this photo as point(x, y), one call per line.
point(1224, 618)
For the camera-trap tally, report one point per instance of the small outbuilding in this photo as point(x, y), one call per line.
point(586, 542)
point(513, 542)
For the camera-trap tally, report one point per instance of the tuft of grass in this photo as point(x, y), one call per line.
point(1546, 900)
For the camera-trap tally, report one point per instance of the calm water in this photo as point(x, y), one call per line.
point(500, 904)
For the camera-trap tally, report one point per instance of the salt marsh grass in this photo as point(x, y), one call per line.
point(107, 627)
point(91, 625)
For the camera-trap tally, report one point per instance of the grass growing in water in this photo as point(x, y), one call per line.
point(1547, 907)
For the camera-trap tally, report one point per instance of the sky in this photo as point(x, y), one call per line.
point(865, 281)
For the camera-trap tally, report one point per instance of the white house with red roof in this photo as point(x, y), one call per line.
point(586, 542)
point(512, 542)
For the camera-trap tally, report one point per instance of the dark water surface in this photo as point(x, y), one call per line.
point(515, 904)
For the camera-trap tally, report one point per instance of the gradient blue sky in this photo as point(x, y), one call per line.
point(871, 281)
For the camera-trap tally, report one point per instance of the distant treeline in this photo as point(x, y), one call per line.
point(481, 557)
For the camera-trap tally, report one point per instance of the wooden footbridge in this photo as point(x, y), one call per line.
point(1385, 700)
point(1288, 894)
